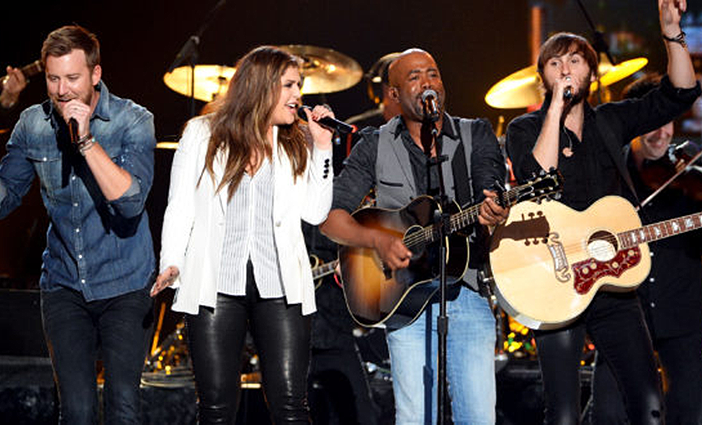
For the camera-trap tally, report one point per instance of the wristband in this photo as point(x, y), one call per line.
point(680, 38)
point(85, 145)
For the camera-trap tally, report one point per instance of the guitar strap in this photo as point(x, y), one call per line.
point(466, 134)
point(615, 151)
point(395, 181)
point(464, 187)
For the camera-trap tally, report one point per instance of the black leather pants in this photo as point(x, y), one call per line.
point(282, 338)
point(616, 325)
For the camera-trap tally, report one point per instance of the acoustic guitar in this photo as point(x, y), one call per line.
point(548, 261)
point(320, 270)
point(375, 296)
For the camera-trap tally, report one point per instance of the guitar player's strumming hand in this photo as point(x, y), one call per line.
point(491, 213)
point(391, 250)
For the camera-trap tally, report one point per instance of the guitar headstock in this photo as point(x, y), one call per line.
point(547, 184)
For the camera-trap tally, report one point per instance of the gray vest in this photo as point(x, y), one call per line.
point(395, 186)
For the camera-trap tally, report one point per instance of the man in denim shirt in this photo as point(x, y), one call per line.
point(99, 260)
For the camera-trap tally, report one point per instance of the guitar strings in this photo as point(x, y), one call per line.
point(467, 216)
point(618, 242)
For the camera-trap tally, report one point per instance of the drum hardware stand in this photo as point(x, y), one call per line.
point(600, 46)
point(189, 52)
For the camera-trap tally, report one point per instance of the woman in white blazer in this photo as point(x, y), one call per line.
point(232, 246)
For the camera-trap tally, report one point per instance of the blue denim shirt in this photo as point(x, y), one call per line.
point(100, 248)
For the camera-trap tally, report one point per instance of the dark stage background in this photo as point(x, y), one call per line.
point(476, 43)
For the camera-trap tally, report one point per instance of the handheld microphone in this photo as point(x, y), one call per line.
point(568, 93)
point(329, 122)
point(431, 107)
point(73, 130)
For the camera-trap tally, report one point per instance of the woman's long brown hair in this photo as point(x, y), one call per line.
point(240, 126)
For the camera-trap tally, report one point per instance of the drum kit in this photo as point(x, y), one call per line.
point(522, 88)
point(327, 71)
point(323, 70)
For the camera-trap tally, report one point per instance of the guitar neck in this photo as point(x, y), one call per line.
point(324, 270)
point(470, 215)
point(660, 230)
point(536, 189)
point(30, 70)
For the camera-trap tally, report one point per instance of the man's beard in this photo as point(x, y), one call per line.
point(577, 98)
point(86, 99)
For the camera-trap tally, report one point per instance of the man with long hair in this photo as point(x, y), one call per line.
point(584, 144)
point(95, 177)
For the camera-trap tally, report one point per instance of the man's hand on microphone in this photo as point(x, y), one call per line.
point(80, 112)
point(321, 135)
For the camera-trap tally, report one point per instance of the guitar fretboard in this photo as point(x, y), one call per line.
point(660, 230)
point(324, 270)
point(470, 215)
point(32, 69)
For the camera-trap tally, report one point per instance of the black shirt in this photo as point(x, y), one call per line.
point(671, 296)
point(591, 173)
point(358, 176)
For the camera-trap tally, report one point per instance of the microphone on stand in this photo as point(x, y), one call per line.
point(73, 130)
point(431, 104)
point(329, 122)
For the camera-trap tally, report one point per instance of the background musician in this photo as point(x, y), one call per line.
point(671, 296)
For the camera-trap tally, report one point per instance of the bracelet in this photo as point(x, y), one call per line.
point(85, 145)
point(83, 139)
point(680, 38)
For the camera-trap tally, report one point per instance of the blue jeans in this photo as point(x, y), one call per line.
point(76, 331)
point(470, 368)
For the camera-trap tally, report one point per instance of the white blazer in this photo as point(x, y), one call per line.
point(194, 222)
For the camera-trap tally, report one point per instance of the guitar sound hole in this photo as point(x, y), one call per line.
point(602, 246)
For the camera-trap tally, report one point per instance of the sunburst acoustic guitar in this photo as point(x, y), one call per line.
point(375, 296)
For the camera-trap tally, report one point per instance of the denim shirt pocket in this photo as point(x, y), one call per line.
point(49, 168)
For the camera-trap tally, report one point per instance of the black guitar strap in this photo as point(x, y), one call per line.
point(615, 151)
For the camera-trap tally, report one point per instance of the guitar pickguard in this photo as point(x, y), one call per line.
point(589, 271)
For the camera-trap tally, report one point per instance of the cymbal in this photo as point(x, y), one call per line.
point(610, 74)
point(325, 70)
point(210, 81)
point(518, 90)
point(523, 88)
point(167, 145)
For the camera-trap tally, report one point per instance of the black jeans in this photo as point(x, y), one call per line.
point(616, 325)
point(282, 338)
point(681, 360)
point(75, 330)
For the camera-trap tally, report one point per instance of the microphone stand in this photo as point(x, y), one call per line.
point(442, 224)
point(600, 46)
point(189, 52)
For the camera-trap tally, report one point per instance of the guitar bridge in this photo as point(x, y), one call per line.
point(560, 262)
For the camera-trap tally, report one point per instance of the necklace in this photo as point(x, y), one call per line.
point(568, 150)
